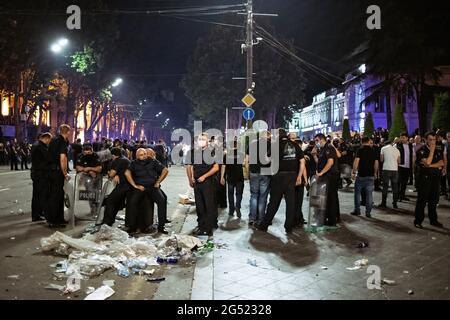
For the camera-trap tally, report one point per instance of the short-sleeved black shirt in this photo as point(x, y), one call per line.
point(57, 146)
point(254, 146)
point(367, 157)
point(146, 172)
point(423, 153)
point(290, 155)
point(233, 168)
point(120, 165)
point(91, 161)
point(200, 168)
point(325, 153)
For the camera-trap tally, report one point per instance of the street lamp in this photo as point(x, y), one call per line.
point(117, 82)
point(58, 46)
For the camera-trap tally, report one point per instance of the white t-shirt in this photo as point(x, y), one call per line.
point(390, 156)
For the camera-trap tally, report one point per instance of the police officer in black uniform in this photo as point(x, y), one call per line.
point(431, 162)
point(327, 168)
point(89, 164)
point(201, 177)
point(145, 175)
point(284, 182)
point(39, 176)
point(58, 150)
point(116, 199)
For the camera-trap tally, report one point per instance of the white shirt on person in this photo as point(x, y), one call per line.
point(390, 157)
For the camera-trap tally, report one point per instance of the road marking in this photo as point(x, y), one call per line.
point(4, 189)
point(14, 172)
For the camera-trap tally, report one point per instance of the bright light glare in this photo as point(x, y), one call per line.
point(63, 42)
point(117, 82)
point(56, 48)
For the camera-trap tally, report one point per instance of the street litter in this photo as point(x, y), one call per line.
point(102, 293)
point(112, 248)
point(433, 238)
point(89, 290)
point(11, 212)
point(14, 276)
point(405, 271)
point(410, 292)
point(252, 262)
point(13, 238)
point(16, 201)
point(324, 268)
point(73, 284)
point(52, 286)
point(359, 264)
point(20, 211)
point(387, 281)
point(109, 283)
point(185, 200)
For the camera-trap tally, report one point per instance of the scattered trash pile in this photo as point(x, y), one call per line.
point(112, 248)
point(186, 199)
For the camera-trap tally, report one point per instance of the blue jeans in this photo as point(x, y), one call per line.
point(366, 184)
point(259, 191)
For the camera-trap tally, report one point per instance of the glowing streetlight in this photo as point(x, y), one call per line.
point(117, 82)
point(58, 46)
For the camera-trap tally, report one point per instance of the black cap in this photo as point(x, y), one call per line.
point(87, 146)
point(116, 151)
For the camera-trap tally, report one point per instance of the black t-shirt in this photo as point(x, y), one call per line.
point(348, 157)
point(325, 153)
point(204, 166)
point(367, 157)
point(423, 153)
point(91, 160)
point(160, 152)
point(145, 173)
point(57, 146)
point(120, 165)
point(233, 168)
point(254, 146)
point(290, 155)
point(39, 157)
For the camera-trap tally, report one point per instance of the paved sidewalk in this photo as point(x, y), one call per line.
point(266, 266)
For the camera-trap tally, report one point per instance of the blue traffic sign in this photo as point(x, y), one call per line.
point(248, 114)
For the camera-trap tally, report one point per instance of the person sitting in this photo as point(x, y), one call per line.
point(116, 199)
point(89, 164)
point(145, 175)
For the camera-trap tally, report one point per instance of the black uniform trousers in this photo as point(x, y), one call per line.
point(39, 200)
point(428, 192)
point(134, 212)
point(14, 162)
point(55, 208)
point(206, 205)
point(403, 177)
point(282, 184)
point(299, 192)
point(332, 210)
point(115, 202)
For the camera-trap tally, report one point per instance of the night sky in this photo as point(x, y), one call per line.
point(157, 48)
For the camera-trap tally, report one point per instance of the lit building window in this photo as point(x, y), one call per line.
point(5, 106)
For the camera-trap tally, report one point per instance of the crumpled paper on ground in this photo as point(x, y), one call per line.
point(359, 264)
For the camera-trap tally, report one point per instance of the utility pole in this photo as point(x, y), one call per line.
point(249, 46)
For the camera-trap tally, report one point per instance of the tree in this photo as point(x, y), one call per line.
point(398, 123)
point(346, 130)
point(407, 61)
point(369, 126)
point(210, 88)
point(441, 112)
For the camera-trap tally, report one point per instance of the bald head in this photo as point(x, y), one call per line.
point(141, 154)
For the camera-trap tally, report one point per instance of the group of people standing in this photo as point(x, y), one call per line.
point(13, 153)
